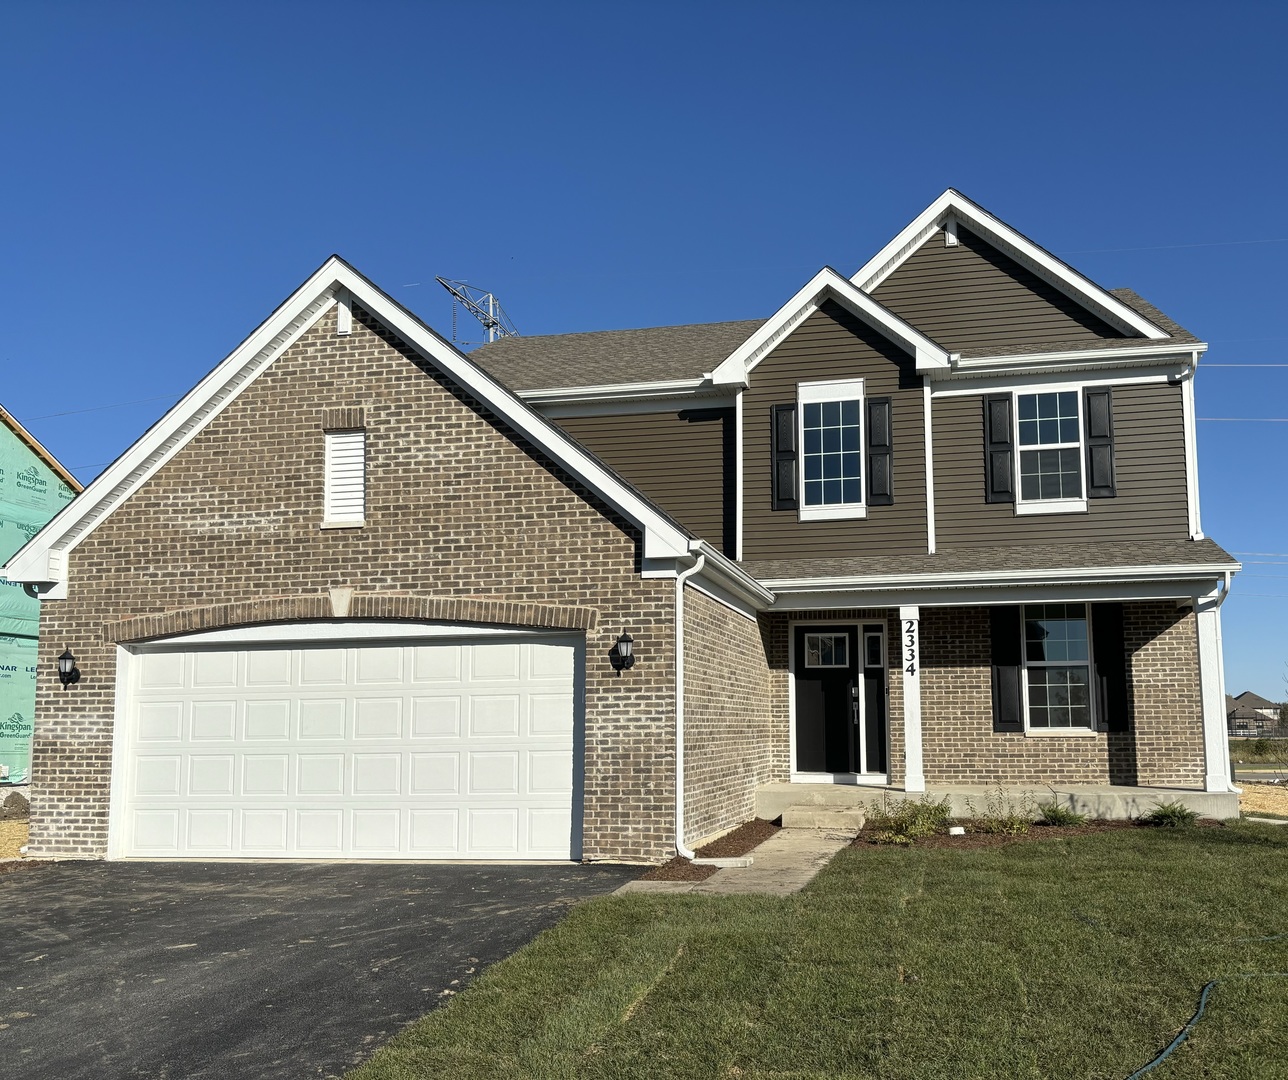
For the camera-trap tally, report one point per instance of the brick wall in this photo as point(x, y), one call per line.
point(455, 509)
point(734, 740)
point(1164, 746)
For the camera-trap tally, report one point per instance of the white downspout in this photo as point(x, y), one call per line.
point(680, 579)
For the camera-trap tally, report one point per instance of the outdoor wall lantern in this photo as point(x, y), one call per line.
point(68, 673)
point(622, 654)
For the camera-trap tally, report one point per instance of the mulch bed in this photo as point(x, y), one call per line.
point(743, 840)
point(976, 839)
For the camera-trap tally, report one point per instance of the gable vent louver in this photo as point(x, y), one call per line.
point(346, 467)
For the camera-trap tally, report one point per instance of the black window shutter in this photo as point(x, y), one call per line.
point(1007, 641)
point(999, 466)
point(783, 481)
point(1100, 444)
point(1109, 667)
point(880, 453)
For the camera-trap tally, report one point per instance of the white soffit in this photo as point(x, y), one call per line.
point(956, 206)
point(43, 559)
point(827, 284)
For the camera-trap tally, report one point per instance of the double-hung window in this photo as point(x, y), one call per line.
point(1057, 667)
point(1049, 440)
point(831, 441)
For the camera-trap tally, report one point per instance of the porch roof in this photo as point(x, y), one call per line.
point(1012, 560)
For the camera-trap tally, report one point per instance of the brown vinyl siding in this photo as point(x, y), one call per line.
point(833, 344)
point(971, 296)
point(682, 461)
point(1149, 453)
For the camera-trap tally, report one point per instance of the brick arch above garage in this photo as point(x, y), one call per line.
point(360, 606)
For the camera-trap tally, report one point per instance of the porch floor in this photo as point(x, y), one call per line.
point(1096, 801)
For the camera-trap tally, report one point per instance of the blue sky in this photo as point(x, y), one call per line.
point(171, 172)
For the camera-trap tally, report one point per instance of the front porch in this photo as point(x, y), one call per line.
point(1111, 801)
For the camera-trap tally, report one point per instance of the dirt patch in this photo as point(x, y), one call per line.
point(1264, 799)
point(13, 835)
point(742, 841)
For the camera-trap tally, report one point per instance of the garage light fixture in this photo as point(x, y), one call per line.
point(68, 673)
point(622, 654)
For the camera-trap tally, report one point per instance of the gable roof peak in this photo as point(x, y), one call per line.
point(953, 206)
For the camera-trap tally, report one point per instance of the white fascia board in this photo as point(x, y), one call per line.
point(1202, 572)
point(720, 570)
point(37, 561)
point(1014, 243)
point(44, 558)
point(640, 407)
point(1140, 375)
point(1072, 360)
point(826, 284)
point(613, 392)
point(1092, 592)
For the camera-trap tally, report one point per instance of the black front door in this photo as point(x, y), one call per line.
point(827, 704)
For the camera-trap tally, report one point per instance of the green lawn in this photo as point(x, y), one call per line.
point(1062, 958)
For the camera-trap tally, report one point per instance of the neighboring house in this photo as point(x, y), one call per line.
point(359, 596)
point(33, 487)
point(1268, 709)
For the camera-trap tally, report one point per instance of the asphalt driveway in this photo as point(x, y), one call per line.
point(260, 970)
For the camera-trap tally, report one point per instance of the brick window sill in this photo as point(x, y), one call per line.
point(343, 524)
point(1060, 733)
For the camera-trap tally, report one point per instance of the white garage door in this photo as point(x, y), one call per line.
point(433, 750)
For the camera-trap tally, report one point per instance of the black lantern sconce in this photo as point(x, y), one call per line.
point(68, 672)
point(622, 654)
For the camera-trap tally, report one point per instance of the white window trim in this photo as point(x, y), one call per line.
point(846, 635)
point(1077, 505)
point(812, 393)
point(1056, 732)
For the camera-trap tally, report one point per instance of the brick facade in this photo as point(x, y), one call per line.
point(1164, 746)
point(734, 738)
point(465, 520)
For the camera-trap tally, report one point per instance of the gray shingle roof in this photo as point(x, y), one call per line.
point(989, 558)
point(1179, 334)
point(654, 354)
point(612, 357)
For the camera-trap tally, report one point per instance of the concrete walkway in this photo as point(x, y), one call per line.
point(782, 865)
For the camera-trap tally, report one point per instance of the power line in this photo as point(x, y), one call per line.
point(1246, 419)
point(98, 408)
point(1174, 247)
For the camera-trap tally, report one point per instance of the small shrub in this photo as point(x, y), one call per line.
point(907, 820)
point(1005, 815)
point(1060, 815)
point(1260, 748)
point(1170, 815)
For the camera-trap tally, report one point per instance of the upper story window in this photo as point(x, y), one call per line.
point(1050, 438)
point(1057, 663)
point(1048, 451)
point(831, 442)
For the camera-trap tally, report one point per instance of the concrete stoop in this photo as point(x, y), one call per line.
point(834, 819)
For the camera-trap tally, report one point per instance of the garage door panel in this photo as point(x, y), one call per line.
point(322, 719)
point(268, 667)
point(436, 717)
point(211, 774)
point(213, 720)
point(430, 750)
point(268, 720)
point(494, 715)
point(377, 718)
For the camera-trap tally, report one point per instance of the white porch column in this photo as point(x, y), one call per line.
point(1216, 743)
point(914, 776)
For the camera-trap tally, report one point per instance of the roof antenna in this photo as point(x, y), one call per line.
point(483, 306)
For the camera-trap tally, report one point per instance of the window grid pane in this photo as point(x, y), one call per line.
point(1049, 421)
point(832, 441)
point(1056, 654)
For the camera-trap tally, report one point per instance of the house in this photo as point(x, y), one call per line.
point(33, 487)
point(925, 529)
point(1251, 714)
point(1263, 706)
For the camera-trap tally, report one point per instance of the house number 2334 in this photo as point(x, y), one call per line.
point(910, 647)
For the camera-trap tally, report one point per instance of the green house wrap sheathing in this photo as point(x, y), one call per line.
point(30, 494)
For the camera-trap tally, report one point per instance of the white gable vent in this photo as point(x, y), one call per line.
point(346, 478)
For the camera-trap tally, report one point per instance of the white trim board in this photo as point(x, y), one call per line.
point(827, 284)
point(1011, 242)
